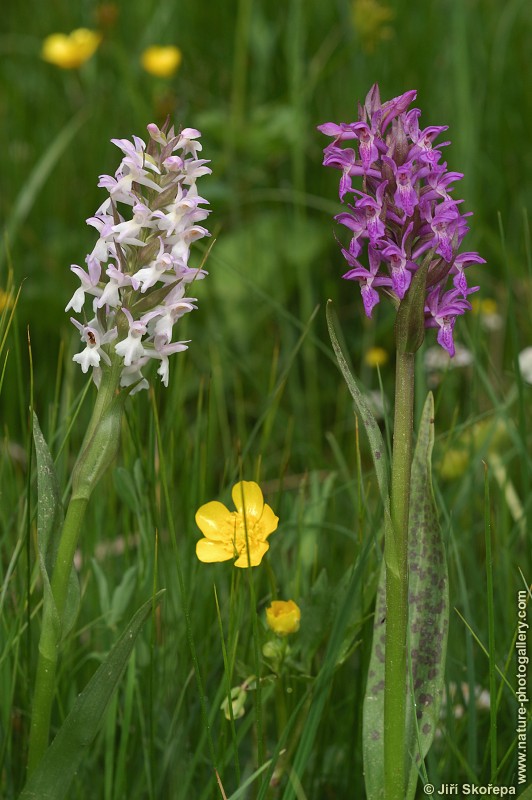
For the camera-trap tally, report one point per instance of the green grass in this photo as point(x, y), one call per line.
point(258, 393)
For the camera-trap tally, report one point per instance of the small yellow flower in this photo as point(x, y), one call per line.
point(376, 357)
point(239, 534)
point(283, 617)
point(72, 50)
point(161, 61)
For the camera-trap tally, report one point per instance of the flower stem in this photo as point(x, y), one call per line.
point(396, 556)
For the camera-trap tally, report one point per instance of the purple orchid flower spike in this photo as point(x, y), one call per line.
point(404, 212)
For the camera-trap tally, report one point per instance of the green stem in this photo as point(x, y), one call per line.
point(396, 556)
point(54, 605)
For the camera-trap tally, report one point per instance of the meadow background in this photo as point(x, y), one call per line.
point(258, 393)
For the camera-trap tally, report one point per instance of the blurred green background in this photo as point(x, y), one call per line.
point(259, 390)
point(256, 78)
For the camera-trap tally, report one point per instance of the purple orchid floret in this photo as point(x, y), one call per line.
point(404, 213)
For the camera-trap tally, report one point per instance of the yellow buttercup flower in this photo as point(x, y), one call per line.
point(283, 617)
point(161, 61)
point(240, 534)
point(376, 357)
point(72, 50)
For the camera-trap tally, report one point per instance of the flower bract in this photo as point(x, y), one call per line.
point(241, 534)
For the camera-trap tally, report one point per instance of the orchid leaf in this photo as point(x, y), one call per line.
point(373, 432)
point(49, 524)
point(427, 637)
point(52, 778)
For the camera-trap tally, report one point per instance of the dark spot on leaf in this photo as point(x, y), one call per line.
point(426, 728)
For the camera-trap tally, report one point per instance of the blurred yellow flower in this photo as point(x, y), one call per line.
point(239, 534)
point(72, 50)
point(488, 311)
point(6, 300)
point(484, 305)
point(369, 19)
point(376, 357)
point(283, 617)
point(161, 61)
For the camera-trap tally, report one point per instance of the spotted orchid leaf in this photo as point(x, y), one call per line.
point(427, 630)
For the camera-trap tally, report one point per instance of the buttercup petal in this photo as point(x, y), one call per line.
point(210, 552)
point(256, 552)
point(216, 522)
point(268, 522)
point(248, 495)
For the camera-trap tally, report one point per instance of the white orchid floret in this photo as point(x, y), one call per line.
point(188, 141)
point(181, 214)
point(94, 339)
point(111, 293)
point(127, 231)
point(136, 157)
point(131, 348)
point(132, 376)
point(104, 225)
point(181, 244)
point(161, 351)
point(89, 285)
point(157, 270)
point(190, 274)
point(164, 325)
point(195, 169)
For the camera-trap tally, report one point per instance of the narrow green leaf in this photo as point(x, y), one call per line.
point(49, 524)
point(378, 449)
point(526, 794)
point(428, 624)
point(52, 778)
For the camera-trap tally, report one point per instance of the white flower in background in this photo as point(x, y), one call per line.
point(137, 273)
point(525, 364)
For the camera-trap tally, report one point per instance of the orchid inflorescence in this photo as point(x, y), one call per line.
point(404, 211)
point(138, 272)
